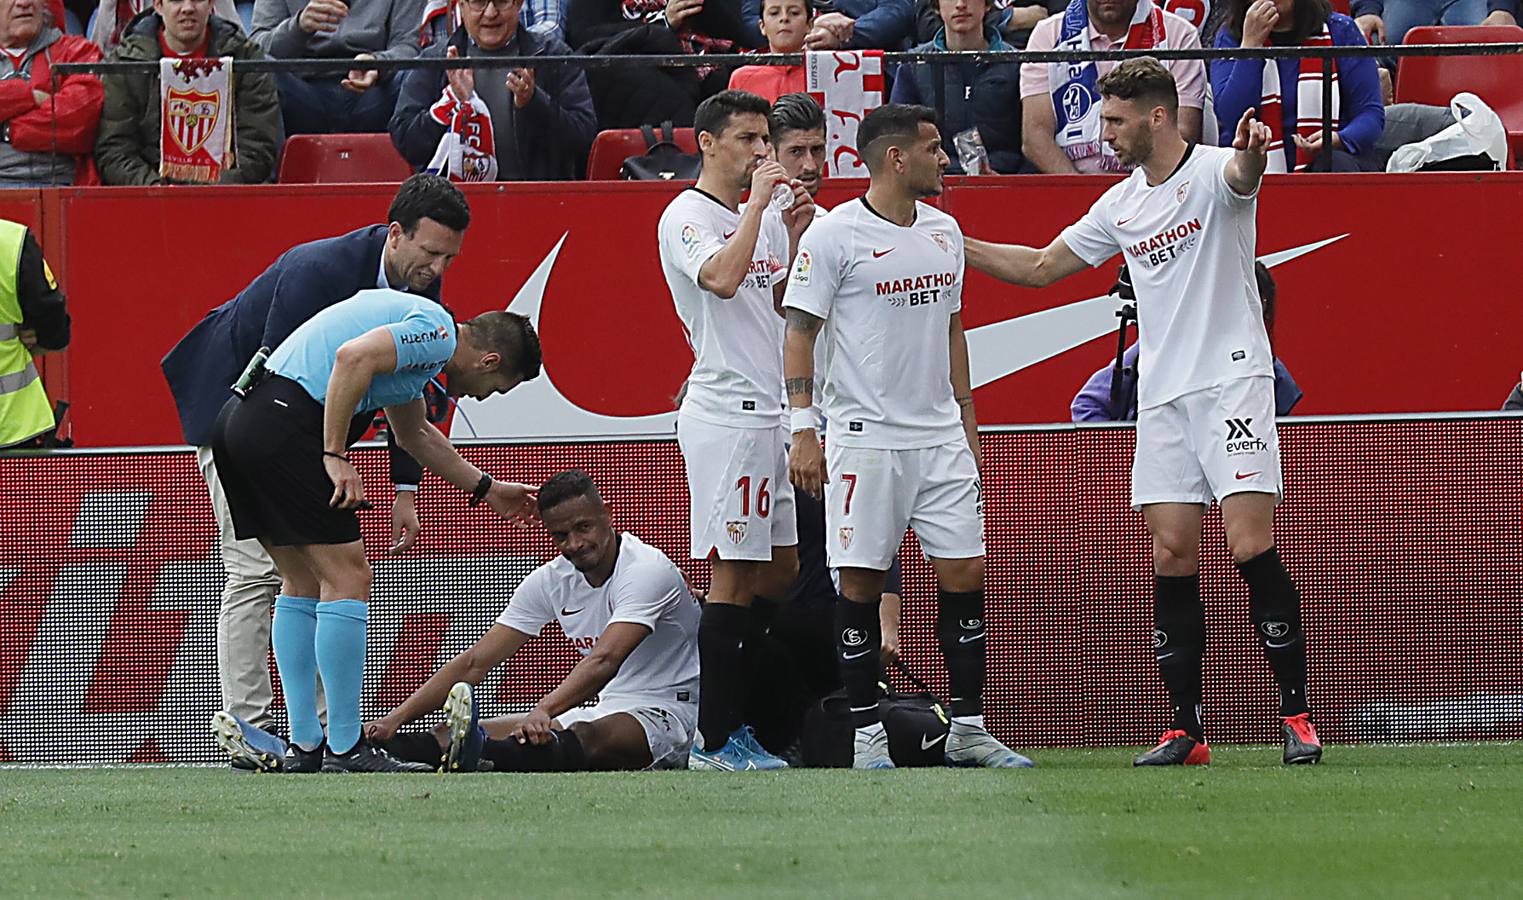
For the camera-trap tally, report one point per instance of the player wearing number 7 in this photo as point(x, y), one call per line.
point(882, 275)
point(1185, 222)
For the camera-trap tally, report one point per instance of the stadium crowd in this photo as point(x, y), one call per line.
point(539, 122)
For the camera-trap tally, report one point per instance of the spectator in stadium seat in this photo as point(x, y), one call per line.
point(542, 120)
point(543, 17)
point(127, 148)
point(1100, 25)
point(1388, 21)
point(45, 138)
point(113, 16)
point(784, 23)
point(1014, 20)
point(361, 101)
point(1514, 402)
point(1093, 402)
point(982, 96)
point(864, 25)
point(1239, 84)
point(628, 97)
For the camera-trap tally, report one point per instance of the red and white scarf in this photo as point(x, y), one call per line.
point(432, 29)
point(848, 84)
point(468, 150)
point(1308, 105)
point(196, 112)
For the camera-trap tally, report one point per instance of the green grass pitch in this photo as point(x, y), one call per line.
point(1425, 821)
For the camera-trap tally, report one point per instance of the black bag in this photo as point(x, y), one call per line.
point(663, 159)
point(917, 729)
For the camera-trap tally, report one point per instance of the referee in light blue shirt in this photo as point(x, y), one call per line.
point(281, 454)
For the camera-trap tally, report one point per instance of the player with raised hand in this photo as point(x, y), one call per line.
point(725, 264)
point(885, 271)
point(1186, 222)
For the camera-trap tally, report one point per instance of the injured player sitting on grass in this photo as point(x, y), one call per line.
point(625, 608)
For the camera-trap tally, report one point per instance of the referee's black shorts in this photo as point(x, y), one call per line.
point(268, 449)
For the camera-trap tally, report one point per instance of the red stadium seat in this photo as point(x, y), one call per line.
point(613, 147)
point(341, 158)
point(1496, 79)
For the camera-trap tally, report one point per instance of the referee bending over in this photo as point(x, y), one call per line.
point(281, 454)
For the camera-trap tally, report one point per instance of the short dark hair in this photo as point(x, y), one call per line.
point(567, 485)
point(891, 121)
point(510, 335)
point(1143, 78)
point(1267, 293)
point(714, 114)
point(795, 112)
point(425, 196)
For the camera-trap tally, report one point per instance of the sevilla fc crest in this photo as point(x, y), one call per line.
point(192, 115)
point(846, 534)
point(737, 531)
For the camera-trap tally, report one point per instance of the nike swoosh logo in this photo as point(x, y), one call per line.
point(1278, 646)
point(1242, 475)
point(926, 745)
point(856, 655)
point(973, 637)
point(879, 254)
point(728, 235)
point(537, 409)
point(570, 612)
point(1124, 221)
point(1165, 656)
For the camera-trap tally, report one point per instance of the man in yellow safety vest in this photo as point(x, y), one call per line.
point(33, 320)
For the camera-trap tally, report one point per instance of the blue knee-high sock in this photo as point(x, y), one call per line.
point(293, 636)
point(341, 659)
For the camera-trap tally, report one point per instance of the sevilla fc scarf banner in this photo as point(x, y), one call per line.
point(196, 137)
point(468, 150)
point(848, 84)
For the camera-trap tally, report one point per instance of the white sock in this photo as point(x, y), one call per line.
point(872, 730)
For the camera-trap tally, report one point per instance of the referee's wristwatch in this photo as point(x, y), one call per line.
point(479, 493)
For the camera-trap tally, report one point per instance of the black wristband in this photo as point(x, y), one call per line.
point(480, 492)
point(342, 456)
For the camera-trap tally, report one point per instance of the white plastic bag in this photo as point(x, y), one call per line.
point(1477, 129)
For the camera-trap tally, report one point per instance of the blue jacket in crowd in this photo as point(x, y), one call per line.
point(987, 95)
point(1093, 402)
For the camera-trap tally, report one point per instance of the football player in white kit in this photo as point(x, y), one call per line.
point(725, 264)
point(1185, 222)
point(625, 608)
point(885, 272)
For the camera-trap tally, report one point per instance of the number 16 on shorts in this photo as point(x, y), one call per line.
point(742, 502)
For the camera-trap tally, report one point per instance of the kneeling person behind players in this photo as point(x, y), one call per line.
point(281, 456)
point(1185, 221)
point(885, 272)
point(625, 608)
point(725, 264)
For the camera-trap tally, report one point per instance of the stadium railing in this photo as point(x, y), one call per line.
point(939, 59)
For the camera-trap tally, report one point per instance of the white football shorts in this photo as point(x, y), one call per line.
point(740, 501)
point(873, 495)
point(669, 726)
point(1208, 445)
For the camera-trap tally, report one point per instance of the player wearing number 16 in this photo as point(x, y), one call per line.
point(885, 274)
point(725, 263)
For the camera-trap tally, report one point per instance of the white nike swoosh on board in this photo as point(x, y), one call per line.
point(855, 655)
point(966, 638)
point(926, 746)
point(538, 410)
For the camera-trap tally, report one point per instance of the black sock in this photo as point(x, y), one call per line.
point(858, 639)
point(562, 754)
point(1274, 605)
point(418, 746)
point(1179, 643)
point(722, 675)
point(960, 630)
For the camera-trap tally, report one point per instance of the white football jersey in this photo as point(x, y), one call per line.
point(887, 294)
point(737, 344)
point(646, 589)
point(1189, 244)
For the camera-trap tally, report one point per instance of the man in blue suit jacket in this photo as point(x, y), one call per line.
point(428, 218)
